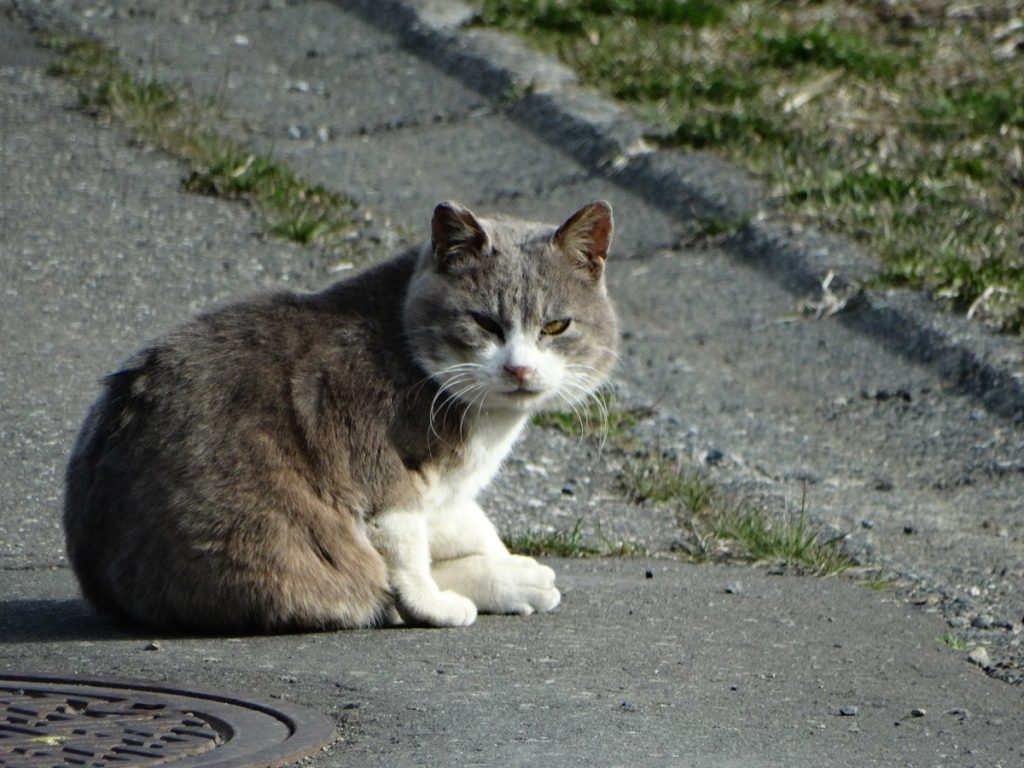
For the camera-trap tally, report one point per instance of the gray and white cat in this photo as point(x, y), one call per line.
point(311, 461)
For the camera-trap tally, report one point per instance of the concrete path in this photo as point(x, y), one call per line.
point(100, 250)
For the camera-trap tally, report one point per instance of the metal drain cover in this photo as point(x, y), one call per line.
point(47, 722)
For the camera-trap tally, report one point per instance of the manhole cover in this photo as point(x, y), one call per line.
point(48, 722)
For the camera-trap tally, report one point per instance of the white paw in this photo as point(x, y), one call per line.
point(438, 609)
point(523, 586)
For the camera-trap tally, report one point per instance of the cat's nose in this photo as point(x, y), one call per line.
point(519, 372)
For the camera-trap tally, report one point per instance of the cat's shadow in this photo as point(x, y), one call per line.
point(43, 620)
point(53, 620)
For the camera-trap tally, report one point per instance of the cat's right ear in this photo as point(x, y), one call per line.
point(456, 233)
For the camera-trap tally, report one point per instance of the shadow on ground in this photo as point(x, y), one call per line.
point(51, 620)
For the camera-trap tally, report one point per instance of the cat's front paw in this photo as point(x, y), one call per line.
point(438, 609)
point(524, 586)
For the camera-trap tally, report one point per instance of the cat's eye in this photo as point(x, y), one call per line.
point(489, 324)
point(555, 327)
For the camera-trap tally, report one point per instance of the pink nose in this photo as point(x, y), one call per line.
point(519, 372)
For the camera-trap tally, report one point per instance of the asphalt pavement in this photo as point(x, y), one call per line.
point(648, 661)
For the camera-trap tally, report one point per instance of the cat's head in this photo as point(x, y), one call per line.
point(514, 316)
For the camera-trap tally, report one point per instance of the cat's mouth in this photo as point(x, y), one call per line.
point(522, 392)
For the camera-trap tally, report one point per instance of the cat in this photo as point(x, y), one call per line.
point(310, 461)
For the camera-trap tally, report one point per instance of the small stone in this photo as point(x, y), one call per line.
point(568, 490)
point(983, 621)
point(713, 457)
point(152, 645)
point(295, 132)
point(627, 707)
point(980, 657)
point(918, 712)
point(867, 524)
point(957, 622)
point(848, 711)
point(909, 530)
point(734, 588)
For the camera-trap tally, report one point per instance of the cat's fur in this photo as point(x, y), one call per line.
point(311, 461)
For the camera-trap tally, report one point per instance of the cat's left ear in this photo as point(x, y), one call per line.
point(586, 236)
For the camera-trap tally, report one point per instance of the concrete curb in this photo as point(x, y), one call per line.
point(545, 97)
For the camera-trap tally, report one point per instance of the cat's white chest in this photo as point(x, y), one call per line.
point(491, 441)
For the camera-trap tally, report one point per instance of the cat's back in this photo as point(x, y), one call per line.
point(194, 431)
point(246, 357)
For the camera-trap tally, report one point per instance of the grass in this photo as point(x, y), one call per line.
point(899, 124)
point(954, 642)
point(187, 128)
point(714, 525)
point(565, 543)
point(569, 543)
point(601, 417)
point(717, 526)
point(879, 581)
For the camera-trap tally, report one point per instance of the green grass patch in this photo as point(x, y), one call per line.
point(185, 127)
point(601, 417)
point(879, 581)
point(824, 46)
point(905, 137)
point(570, 543)
point(573, 17)
point(954, 642)
point(562, 543)
point(719, 526)
point(976, 107)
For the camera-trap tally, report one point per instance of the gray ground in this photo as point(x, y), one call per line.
point(100, 250)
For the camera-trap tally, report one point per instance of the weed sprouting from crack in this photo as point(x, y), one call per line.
point(879, 581)
point(955, 642)
point(557, 543)
point(176, 122)
point(570, 543)
point(602, 417)
point(719, 526)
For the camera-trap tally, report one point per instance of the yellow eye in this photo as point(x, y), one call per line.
point(555, 327)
